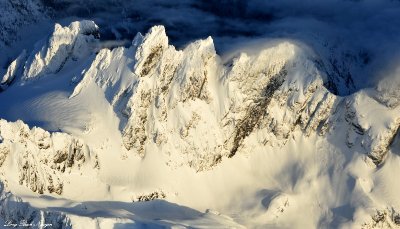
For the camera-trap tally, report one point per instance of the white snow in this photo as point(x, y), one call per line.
point(65, 42)
point(253, 140)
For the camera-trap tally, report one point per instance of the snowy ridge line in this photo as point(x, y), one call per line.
point(150, 82)
point(257, 136)
point(73, 42)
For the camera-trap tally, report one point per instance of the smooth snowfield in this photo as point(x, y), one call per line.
point(150, 136)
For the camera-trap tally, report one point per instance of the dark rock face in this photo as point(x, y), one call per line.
point(256, 112)
point(16, 13)
point(152, 196)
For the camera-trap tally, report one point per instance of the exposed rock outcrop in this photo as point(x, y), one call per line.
point(41, 158)
point(72, 42)
point(167, 97)
point(262, 96)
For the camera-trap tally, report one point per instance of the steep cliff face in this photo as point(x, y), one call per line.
point(72, 42)
point(167, 97)
point(282, 90)
point(14, 69)
point(190, 111)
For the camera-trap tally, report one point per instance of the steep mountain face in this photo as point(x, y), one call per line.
point(73, 42)
point(266, 95)
point(70, 42)
point(228, 103)
point(195, 111)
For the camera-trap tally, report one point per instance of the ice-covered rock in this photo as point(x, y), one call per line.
point(170, 96)
point(161, 78)
point(14, 69)
point(39, 157)
point(192, 108)
point(372, 125)
point(281, 89)
point(166, 97)
point(72, 42)
point(387, 218)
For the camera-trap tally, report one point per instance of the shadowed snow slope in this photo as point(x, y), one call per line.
point(253, 140)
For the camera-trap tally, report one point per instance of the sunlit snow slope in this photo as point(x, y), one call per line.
point(148, 135)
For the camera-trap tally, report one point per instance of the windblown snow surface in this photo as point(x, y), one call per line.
point(147, 135)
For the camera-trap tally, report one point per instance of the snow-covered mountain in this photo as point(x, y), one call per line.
point(154, 135)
